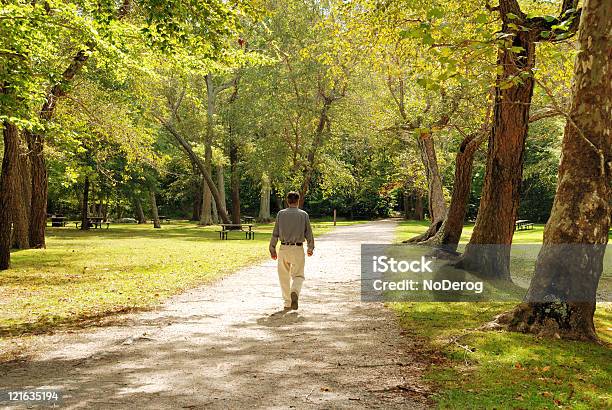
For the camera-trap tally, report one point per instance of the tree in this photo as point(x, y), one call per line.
point(85, 205)
point(212, 93)
point(447, 237)
point(513, 93)
point(8, 181)
point(561, 296)
point(264, 205)
point(21, 204)
point(154, 211)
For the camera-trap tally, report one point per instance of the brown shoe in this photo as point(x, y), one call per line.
point(294, 300)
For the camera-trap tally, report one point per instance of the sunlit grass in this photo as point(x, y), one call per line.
point(408, 229)
point(506, 370)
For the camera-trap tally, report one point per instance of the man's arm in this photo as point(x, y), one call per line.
point(309, 236)
point(274, 239)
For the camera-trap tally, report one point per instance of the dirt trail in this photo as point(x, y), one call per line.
point(221, 346)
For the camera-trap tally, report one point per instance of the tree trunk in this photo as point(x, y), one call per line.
point(197, 202)
point(156, 222)
point(235, 180)
point(221, 183)
point(435, 194)
point(99, 204)
point(316, 143)
point(22, 200)
point(264, 203)
point(85, 206)
point(139, 212)
point(206, 217)
point(8, 185)
point(449, 233)
point(38, 210)
point(92, 194)
point(105, 206)
point(562, 294)
point(277, 200)
point(501, 191)
point(406, 204)
point(419, 212)
point(215, 216)
point(221, 188)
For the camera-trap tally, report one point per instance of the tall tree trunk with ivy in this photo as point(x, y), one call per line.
point(561, 300)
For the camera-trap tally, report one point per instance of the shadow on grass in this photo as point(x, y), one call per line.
point(49, 324)
point(493, 369)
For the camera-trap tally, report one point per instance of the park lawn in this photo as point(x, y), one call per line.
point(85, 276)
point(501, 369)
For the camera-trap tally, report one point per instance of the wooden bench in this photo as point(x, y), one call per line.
point(226, 228)
point(58, 221)
point(523, 224)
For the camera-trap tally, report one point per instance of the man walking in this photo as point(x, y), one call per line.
point(292, 227)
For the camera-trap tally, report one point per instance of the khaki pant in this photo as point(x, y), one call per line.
point(290, 270)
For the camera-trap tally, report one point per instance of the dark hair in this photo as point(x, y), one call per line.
point(293, 197)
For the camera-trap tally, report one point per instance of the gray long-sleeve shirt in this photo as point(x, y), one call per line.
point(293, 226)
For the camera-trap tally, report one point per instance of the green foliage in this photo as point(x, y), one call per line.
point(389, 71)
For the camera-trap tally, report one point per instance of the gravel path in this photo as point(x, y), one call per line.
point(222, 345)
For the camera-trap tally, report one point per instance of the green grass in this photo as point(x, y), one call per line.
point(505, 370)
point(408, 229)
point(84, 276)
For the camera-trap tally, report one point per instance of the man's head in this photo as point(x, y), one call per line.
point(293, 198)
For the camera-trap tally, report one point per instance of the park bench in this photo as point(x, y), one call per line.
point(246, 228)
point(58, 221)
point(523, 224)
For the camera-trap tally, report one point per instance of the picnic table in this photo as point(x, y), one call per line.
point(95, 221)
point(225, 228)
point(58, 221)
point(523, 224)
